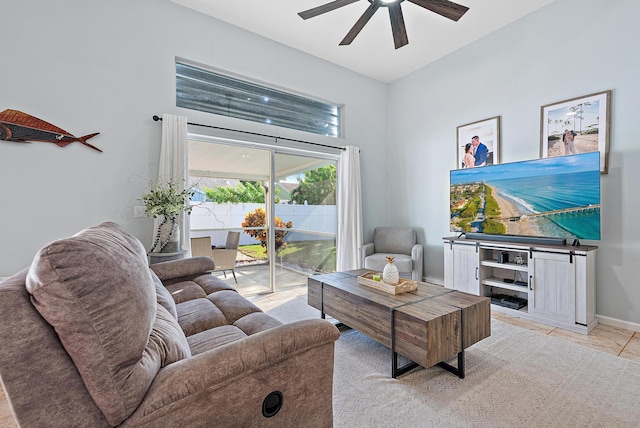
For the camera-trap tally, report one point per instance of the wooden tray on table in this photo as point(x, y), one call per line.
point(404, 285)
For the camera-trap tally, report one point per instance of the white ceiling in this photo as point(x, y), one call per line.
point(207, 159)
point(372, 53)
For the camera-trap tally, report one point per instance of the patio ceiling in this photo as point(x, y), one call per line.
point(234, 162)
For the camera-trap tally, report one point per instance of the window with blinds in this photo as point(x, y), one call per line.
point(205, 90)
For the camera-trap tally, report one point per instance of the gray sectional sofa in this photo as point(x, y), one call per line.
point(91, 336)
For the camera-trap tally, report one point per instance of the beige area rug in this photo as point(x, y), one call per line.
point(515, 378)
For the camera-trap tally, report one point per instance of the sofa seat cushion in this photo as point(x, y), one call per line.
point(195, 316)
point(377, 261)
point(232, 305)
point(214, 337)
point(197, 288)
point(105, 312)
point(185, 291)
point(211, 284)
point(256, 322)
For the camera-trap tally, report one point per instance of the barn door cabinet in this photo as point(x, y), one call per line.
point(551, 284)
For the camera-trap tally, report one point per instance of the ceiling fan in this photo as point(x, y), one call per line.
point(444, 8)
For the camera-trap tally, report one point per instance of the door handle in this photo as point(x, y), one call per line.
point(477, 273)
point(531, 282)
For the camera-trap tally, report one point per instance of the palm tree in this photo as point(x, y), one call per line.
point(577, 111)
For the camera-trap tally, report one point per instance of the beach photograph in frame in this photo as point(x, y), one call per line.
point(488, 133)
point(557, 197)
point(578, 125)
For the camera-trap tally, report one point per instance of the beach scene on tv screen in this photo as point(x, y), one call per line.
point(551, 197)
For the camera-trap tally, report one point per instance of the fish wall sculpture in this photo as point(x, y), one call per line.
point(22, 127)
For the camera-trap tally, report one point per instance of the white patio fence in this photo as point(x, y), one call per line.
point(310, 222)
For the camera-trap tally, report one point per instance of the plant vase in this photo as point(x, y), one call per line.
point(390, 273)
point(167, 238)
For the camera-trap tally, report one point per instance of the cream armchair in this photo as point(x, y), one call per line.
point(223, 257)
point(399, 242)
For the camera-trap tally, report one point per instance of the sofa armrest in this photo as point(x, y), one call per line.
point(195, 388)
point(193, 266)
point(417, 255)
point(366, 250)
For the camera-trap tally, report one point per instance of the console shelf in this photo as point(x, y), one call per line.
point(511, 266)
point(557, 282)
point(497, 282)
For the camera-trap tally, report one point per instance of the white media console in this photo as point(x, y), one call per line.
point(552, 284)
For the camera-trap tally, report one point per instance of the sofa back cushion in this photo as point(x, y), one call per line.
point(96, 290)
point(394, 240)
point(164, 296)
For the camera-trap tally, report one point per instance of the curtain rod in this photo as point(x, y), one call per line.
point(158, 118)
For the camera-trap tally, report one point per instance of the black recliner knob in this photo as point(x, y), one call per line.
point(272, 404)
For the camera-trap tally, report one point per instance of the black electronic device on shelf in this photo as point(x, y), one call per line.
point(507, 301)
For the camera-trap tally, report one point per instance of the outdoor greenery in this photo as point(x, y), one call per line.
point(317, 255)
point(246, 191)
point(317, 188)
point(167, 199)
point(258, 218)
point(255, 251)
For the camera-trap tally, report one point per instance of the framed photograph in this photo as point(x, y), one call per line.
point(478, 143)
point(578, 125)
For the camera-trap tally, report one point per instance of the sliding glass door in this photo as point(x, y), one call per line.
point(304, 218)
point(282, 204)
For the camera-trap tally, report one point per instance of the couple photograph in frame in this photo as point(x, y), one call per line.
point(478, 143)
point(577, 125)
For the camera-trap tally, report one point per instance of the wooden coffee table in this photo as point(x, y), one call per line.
point(429, 326)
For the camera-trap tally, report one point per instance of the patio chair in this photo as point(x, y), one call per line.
point(223, 257)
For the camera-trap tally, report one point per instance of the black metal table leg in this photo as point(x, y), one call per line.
point(399, 371)
point(459, 371)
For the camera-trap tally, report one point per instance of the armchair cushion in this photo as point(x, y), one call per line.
point(378, 260)
point(394, 240)
point(106, 315)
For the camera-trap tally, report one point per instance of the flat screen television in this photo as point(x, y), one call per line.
point(556, 197)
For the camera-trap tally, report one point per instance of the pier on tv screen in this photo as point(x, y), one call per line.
point(555, 197)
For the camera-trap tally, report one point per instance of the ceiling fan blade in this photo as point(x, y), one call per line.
point(398, 28)
point(446, 8)
point(325, 8)
point(360, 23)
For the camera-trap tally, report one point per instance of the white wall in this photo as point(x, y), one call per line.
point(89, 66)
point(567, 49)
point(109, 66)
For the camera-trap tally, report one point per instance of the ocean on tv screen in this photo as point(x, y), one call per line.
point(555, 197)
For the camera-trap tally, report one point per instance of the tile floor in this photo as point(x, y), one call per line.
point(613, 340)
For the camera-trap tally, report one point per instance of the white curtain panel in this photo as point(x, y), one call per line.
point(174, 166)
point(350, 235)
